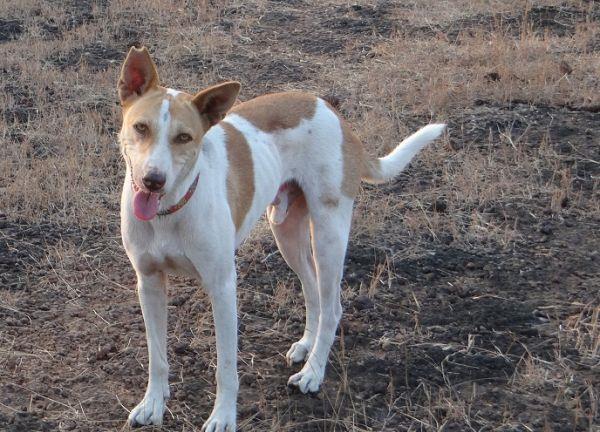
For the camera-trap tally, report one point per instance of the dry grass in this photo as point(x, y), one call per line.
point(507, 78)
point(72, 175)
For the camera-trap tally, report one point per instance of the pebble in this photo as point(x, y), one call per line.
point(440, 205)
point(363, 302)
point(103, 353)
point(546, 229)
point(180, 347)
point(67, 425)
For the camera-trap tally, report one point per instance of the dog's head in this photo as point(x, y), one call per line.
point(162, 128)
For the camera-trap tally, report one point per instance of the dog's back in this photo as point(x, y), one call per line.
point(317, 147)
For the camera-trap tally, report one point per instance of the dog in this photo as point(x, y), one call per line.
point(200, 171)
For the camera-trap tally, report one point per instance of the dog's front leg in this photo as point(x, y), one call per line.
point(221, 290)
point(152, 291)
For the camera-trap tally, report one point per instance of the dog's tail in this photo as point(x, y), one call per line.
point(387, 167)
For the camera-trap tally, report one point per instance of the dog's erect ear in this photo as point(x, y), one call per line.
point(138, 75)
point(215, 101)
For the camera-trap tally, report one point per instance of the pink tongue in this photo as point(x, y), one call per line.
point(145, 205)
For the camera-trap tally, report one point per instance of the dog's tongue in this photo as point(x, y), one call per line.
point(145, 205)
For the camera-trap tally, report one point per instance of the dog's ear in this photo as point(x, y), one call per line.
point(138, 75)
point(215, 101)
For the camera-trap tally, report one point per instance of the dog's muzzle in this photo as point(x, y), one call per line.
point(154, 181)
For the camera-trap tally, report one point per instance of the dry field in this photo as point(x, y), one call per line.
point(471, 292)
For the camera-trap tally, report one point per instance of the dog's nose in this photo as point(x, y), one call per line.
point(154, 181)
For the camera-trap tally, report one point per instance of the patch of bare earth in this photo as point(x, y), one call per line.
point(470, 293)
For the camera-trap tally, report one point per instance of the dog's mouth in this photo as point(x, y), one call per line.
point(145, 203)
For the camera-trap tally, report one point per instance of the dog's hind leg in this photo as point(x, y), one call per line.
point(293, 239)
point(330, 219)
point(152, 290)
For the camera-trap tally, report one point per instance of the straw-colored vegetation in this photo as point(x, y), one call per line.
point(471, 289)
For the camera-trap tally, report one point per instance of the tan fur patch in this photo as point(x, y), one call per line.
point(277, 111)
point(354, 160)
point(149, 266)
point(240, 176)
point(329, 200)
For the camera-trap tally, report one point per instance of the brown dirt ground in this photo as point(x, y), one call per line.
point(460, 313)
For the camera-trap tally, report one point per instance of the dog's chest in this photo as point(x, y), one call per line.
point(166, 253)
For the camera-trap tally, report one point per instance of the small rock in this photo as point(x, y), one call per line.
point(67, 425)
point(181, 347)
point(439, 205)
point(546, 229)
point(102, 353)
point(492, 76)
point(386, 344)
point(362, 302)
point(177, 301)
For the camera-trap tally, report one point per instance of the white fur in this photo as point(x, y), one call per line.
point(161, 158)
point(200, 240)
point(392, 164)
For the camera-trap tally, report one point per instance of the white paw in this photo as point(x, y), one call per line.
point(298, 352)
point(309, 379)
point(150, 410)
point(222, 419)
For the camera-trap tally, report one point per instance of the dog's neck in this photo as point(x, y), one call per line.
point(183, 201)
point(201, 166)
point(183, 190)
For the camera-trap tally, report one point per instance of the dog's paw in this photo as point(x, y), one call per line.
point(222, 419)
point(150, 410)
point(308, 380)
point(298, 352)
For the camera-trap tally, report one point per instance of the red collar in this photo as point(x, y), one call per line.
point(182, 201)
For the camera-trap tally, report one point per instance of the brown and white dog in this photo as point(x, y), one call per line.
point(201, 173)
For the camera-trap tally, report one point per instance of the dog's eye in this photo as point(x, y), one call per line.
point(183, 138)
point(141, 128)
